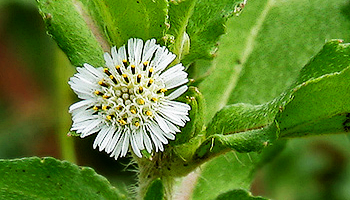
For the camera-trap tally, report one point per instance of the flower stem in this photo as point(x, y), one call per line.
point(150, 170)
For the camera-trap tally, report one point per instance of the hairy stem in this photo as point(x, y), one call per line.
point(150, 170)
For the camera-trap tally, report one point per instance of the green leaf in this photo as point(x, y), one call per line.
point(319, 106)
point(206, 25)
point(67, 26)
point(48, 178)
point(124, 19)
point(155, 191)
point(85, 29)
point(334, 57)
point(238, 194)
point(258, 59)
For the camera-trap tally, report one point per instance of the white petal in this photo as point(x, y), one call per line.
point(122, 53)
point(158, 132)
point(81, 104)
point(162, 124)
point(178, 92)
point(139, 139)
point(107, 139)
point(172, 118)
point(88, 130)
point(125, 143)
point(134, 146)
point(149, 49)
point(114, 53)
point(146, 140)
point(165, 62)
point(113, 142)
point(92, 70)
point(138, 50)
point(100, 136)
point(118, 148)
point(175, 82)
point(109, 61)
point(172, 70)
point(131, 50)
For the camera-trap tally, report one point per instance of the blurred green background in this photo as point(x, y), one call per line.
point(35, 96)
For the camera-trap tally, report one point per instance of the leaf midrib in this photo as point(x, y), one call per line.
point(100, 38)
point(233, 79)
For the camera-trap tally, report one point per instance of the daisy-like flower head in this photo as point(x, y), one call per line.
point(125, 102)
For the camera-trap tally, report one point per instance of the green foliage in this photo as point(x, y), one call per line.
point(238, 194)
point(48, 178)
point(258, 59)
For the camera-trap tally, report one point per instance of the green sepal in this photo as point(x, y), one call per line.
point(73, 133)
point(145, 154)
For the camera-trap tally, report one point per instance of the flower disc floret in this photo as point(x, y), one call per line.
point(126, 102)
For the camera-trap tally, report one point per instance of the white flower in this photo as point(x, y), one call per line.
point(125, 103)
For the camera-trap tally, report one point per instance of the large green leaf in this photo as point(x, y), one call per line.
point(259, 60)
point(48, 178)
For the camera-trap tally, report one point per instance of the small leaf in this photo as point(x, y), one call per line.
point(48, 178)
point(179, 14)
point(238, 194)
point(245, 142)
point(155, 191)
point(206, 25)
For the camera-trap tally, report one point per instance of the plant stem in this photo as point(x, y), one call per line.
point(63, 71)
